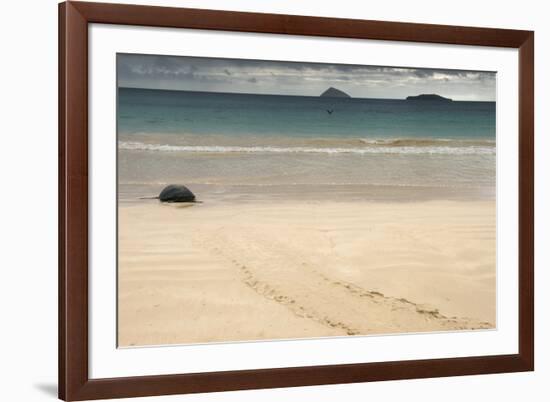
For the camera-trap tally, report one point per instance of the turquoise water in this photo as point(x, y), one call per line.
point(221, 141)
point(180, 112)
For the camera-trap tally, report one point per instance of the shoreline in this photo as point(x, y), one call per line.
point(232, 271)
point(215, 194)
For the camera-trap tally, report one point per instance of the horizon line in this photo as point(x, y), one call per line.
point(306, 96)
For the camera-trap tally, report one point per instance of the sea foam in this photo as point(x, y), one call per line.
point(368, 148)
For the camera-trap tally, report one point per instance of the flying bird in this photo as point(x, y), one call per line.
point(329, 111)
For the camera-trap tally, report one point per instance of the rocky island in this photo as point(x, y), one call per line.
point(429, 97)
point(334, 93)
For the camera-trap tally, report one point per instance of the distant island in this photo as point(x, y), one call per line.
point(429, 97)
point(334, 93)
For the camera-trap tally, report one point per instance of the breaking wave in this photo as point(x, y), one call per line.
point(393, 146)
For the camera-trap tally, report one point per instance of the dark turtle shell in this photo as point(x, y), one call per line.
point(176, 193)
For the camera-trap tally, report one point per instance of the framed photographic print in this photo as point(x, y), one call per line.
point(258, 200)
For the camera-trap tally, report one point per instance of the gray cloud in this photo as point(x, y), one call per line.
point(292, 78)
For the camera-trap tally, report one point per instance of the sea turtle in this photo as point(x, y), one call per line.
point(176, 193)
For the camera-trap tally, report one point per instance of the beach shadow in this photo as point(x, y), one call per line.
point(178, 205)
point(48, 389)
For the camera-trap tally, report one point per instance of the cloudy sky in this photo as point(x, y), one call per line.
point(288, 78)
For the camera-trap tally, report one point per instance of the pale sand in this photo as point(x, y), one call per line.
point(205, 273)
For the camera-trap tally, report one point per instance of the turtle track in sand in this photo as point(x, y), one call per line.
point(279, 273)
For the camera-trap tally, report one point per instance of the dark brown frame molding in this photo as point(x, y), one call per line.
point(74, 382)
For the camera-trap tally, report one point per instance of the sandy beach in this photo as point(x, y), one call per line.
point(194, 273)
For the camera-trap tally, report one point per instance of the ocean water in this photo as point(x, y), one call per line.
point(257, 146)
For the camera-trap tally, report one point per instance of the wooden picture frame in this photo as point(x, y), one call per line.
point(74, 381)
